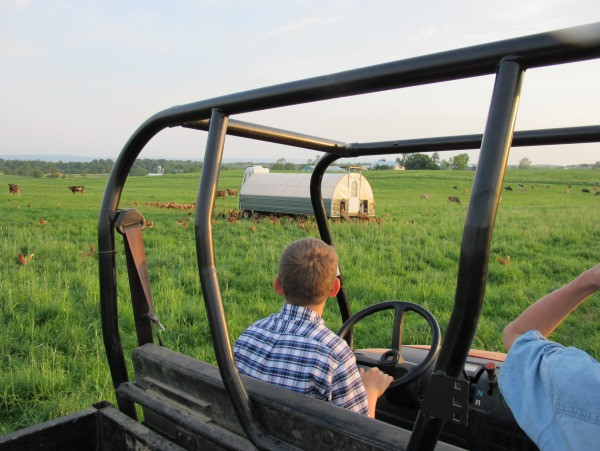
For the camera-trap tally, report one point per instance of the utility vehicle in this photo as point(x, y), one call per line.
point(444, 396)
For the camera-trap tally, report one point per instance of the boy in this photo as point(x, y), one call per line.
point(553, 391)
point(294, 348)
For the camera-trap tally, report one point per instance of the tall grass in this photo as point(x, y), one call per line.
point(51, 350)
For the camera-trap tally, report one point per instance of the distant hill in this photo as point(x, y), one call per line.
point(50, 157)
point(54, 158)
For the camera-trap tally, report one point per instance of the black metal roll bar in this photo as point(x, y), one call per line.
point(508, 59)
point(316, 199)
point(525, 138)
point(477, 236)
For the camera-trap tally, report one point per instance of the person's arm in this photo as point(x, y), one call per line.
point(376, 383)
point(548, 312)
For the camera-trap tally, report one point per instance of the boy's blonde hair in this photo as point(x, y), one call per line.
point(307, 271)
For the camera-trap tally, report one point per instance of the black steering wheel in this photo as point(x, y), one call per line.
point(391, 362)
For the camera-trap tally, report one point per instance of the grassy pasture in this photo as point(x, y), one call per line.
point(51, 350)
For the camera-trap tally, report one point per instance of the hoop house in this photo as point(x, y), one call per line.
point(348, 194)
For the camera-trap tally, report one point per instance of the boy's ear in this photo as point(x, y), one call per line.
point(277, 286)
point(335, 288)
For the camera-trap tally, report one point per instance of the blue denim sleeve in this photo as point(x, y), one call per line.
point(553, 392)
point(523, 385)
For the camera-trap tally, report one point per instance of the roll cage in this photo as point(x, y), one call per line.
point(507, 59)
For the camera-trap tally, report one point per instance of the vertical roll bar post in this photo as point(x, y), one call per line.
point(477, 236)
point(211, 291)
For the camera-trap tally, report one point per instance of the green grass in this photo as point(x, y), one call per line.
point(52, 358)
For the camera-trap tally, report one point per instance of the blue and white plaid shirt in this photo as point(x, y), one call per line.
point(295, 350)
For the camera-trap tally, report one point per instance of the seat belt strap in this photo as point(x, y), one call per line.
point(130, 224)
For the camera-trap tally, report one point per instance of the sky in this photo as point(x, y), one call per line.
point(77, 78)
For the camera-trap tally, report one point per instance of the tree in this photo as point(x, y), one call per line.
point(54, 172)
point(138, 172)
point(596, 165)
point(419, 161)
point(436, 158)
point(459, 162)
point(524, 163)
point(25, 169)
point(279, 164)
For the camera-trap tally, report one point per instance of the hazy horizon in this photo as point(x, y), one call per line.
point(74, 158)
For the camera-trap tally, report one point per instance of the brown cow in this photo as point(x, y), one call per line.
point(221, 193)
point(232, 192)
point(454, 199)
point(13, 189)
point(76, 189)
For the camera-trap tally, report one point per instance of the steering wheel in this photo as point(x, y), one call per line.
point(391, 362)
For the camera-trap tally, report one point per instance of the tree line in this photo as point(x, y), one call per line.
point(39, 168)
point(141, 167)
point(458, 162)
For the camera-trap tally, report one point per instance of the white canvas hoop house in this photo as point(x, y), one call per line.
point(348, 194)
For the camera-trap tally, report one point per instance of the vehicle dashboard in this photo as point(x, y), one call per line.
point(490, 421)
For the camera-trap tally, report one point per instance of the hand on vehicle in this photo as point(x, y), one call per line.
point(375, 380)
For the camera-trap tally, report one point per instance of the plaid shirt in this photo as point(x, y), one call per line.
point(295, 350)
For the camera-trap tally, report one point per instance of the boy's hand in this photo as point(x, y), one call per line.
point(375, 380)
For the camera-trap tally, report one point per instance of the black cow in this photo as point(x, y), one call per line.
point(76, 189)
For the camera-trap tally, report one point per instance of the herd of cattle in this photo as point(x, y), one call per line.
point(13, 188)
point(456, 199)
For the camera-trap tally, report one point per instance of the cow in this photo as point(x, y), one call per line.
point(585, 190)
point(508, 188)
point(426, 196)
point(14, 189)
point(221, 193)
point(76, 189)
point(454, 199)
point(232, 192)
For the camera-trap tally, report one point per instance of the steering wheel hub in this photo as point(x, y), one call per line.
point(390, 358)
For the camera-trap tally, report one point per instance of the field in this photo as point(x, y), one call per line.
point(51, 350)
